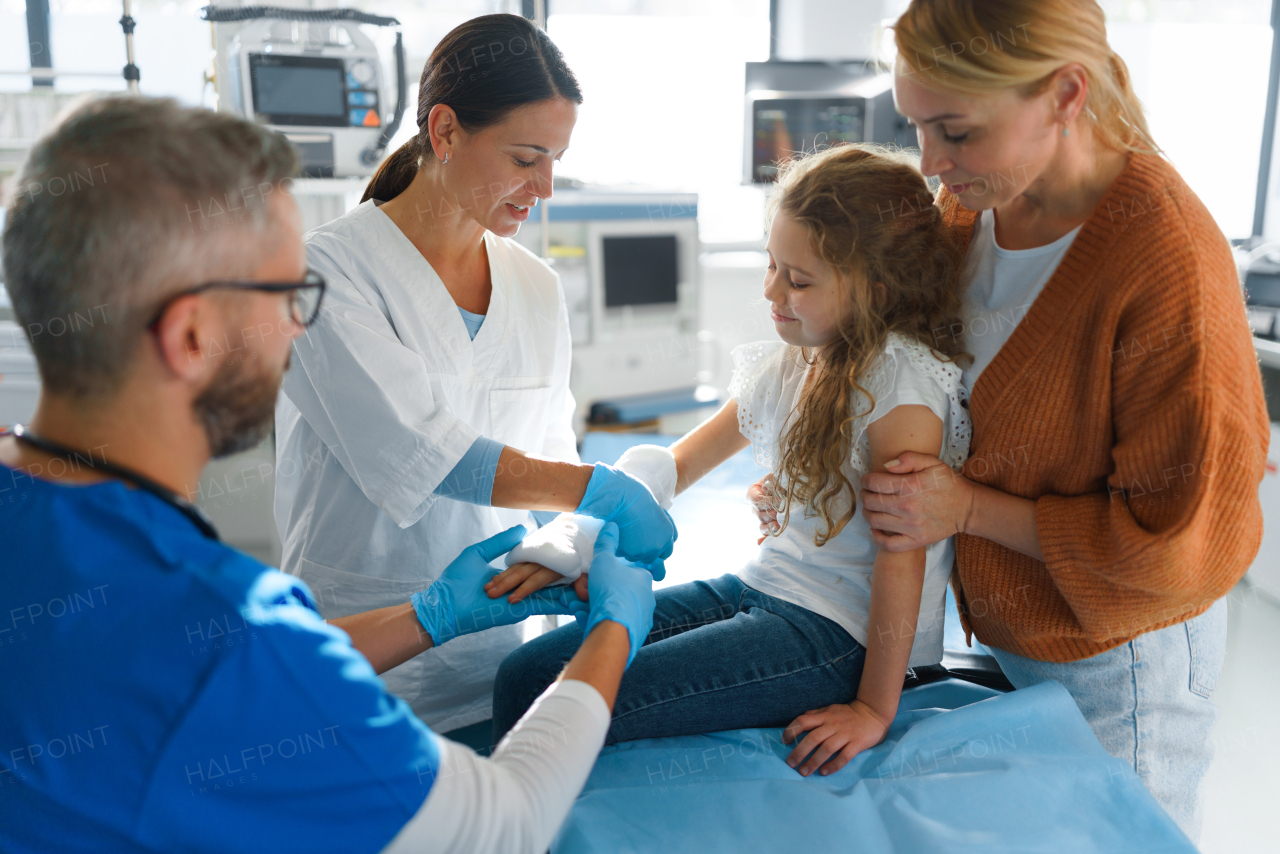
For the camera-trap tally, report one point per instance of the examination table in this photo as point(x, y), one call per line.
point(967, 765)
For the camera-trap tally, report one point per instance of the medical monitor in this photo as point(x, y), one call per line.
point(796, 108)
point(299, 90)
point(785, 127)
point(640, 270)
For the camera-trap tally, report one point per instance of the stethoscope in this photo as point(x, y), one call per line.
point(197, 516)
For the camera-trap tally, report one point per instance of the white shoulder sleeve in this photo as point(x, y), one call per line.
point(759, 388)
point(514, 802)
point(908, 385)
point(910, 373)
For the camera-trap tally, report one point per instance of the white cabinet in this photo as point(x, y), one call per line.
point(1265, 572)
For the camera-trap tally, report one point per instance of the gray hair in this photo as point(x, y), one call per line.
point(126, 201)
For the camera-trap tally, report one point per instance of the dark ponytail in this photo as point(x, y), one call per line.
point(483, 69)
point(394, 174)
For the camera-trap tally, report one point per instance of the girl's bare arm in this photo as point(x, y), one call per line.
point(898, 577)
point(840, 732)
point(707, 446)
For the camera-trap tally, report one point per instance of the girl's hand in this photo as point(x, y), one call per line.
point(762, 495)
point(918, 502)
point(524, 578)
point(838, 733)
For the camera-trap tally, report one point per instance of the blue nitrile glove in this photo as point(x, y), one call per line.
point(456, 603)
point(657, 568)
point(619, 590)
point(645, 531)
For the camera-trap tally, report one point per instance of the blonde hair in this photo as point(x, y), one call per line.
point(870, 217)
point(976, 47)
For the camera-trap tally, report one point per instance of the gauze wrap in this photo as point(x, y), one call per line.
point(567, 542)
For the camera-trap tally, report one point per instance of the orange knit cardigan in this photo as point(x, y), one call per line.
point(1128, 403)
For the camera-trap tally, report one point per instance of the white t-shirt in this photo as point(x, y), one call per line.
point(835, 580)
point(1000, 285)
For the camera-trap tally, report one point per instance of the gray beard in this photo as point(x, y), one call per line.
point(237, 409)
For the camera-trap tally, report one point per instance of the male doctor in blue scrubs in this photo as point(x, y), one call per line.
point(160, 690)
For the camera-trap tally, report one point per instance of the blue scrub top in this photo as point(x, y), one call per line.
point(472, 320)
point(162, 692)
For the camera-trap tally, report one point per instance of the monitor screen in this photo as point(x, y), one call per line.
point(640, 270)
point(292, 90)
point(786, 127)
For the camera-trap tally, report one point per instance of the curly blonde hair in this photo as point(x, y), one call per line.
point(871, 217)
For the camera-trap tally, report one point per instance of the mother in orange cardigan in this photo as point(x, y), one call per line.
point(1111, 498)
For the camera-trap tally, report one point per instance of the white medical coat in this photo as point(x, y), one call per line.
point(384, 395)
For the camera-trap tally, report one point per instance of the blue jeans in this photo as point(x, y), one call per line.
point(720, 656)
point(1148, 703)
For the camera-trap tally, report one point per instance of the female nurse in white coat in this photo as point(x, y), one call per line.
point(440, 358)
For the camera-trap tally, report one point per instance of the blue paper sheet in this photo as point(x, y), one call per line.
point(1002, 772)
point(963, 769)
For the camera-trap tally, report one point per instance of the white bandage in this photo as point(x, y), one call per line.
point(567, 543)
point(655, 467)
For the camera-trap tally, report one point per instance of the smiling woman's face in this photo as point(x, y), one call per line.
point(499, 172)
point(987, 149)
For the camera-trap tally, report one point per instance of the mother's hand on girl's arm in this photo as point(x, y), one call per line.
point(921, 501)
point(918, 502)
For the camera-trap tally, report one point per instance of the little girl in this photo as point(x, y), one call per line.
point(818, 630)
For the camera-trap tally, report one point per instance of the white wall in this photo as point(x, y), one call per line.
point(828, 29)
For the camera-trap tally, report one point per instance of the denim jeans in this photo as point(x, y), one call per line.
point(720, 656)
point(1148, 703)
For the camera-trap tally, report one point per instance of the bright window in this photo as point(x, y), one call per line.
point(1200, 68)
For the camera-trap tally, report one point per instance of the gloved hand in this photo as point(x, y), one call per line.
point(620, 591)
point(456, 603)
point(645, 531)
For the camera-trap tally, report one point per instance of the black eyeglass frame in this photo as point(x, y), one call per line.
point(312, 280)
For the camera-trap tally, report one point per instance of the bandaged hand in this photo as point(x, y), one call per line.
point(455, 604)
point(635, 495)
point(564, 547)
point(836, 734)
point(522, 579)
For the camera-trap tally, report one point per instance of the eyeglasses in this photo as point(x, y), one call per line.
point(304, 296)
